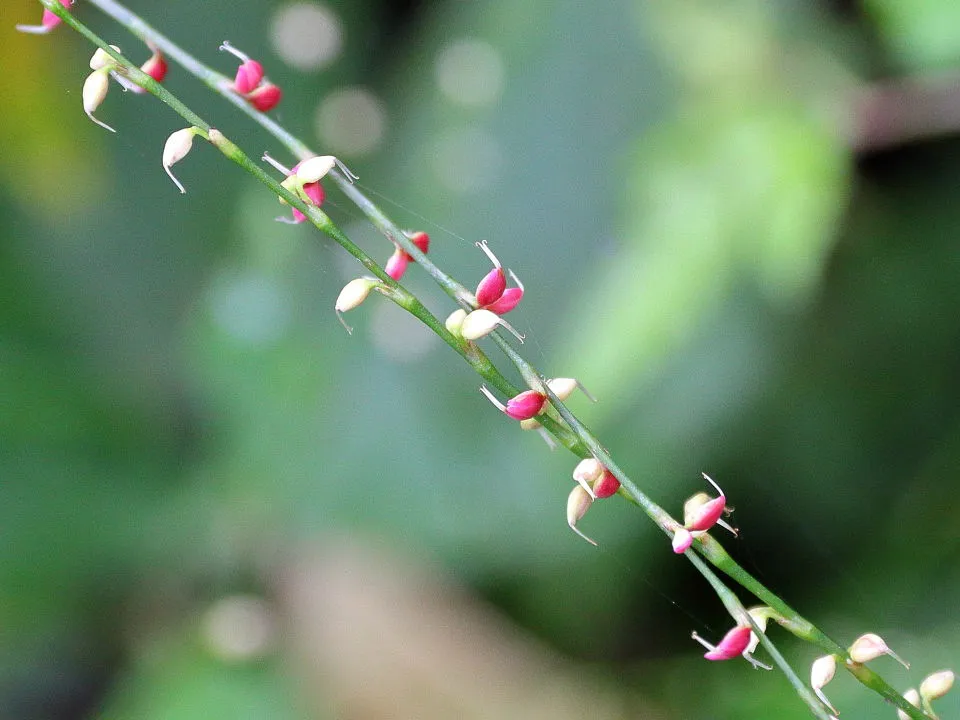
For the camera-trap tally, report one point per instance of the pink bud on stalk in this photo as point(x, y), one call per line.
point(706, 515)
point(606, 486)
point(176, 148)
point(525, 405)
point(562, 388)
point(869, 647)
point(492, 292)
point(733, 644)
point(155, 66)
point(682, 540)
point(397, 264)
point(578, 502)
point(48, 22)
point(250, 82)
point(265, 97)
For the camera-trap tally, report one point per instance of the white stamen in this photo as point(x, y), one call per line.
point(347, 173)
point(516, 280)
point(579, 532)
point(226, 46)
point(276, 165)
point(35, 29)
point(715, 486)
point(499, 405)
point(489, 253)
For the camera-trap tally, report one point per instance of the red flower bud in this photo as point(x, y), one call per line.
point(491, 287)
point(526, 405)
point(507, 301)
point(397, 264)
point(606, 486)
point(705, 515)
point(156, 66)
point(265, 97)
point(732, 645)
point(249, 75)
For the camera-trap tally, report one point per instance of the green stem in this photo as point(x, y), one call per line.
point(742, 617)
point(577, 437)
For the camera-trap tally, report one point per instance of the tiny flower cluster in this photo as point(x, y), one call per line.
point(104, 66)
point(741, 640)
point(871, 646)
point(303, 180)
point(251, 83)
point(594, 482)
point(492, 299)
point(700, 513)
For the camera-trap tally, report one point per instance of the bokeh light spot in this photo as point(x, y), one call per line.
point(470, 72)
point(307, 35)
point(351, 120)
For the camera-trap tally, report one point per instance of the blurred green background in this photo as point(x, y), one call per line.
point(738, 225)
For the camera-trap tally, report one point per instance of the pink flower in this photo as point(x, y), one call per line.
point(492, 292)
point(48, 21)
point(732, 645)
point(606, 486)
point(265, 97)
point(397, 264)
point(522, 406)
point(251, 82)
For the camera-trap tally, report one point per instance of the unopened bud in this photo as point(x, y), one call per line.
point(481, 323)
point(248, 76)
point(420, 239)
point(869, 647)
point(507, 301)
point(265, 97)
point(526, 405)
point(353, 293)
point(705, 515)
point(397, 264)
point(936, 685)
point(821, 672)
point(606, 486)
point(578, 502)
point(454, 321)
point(912, 697)
point(176, 148)
point(156, 65)
point(95, 89)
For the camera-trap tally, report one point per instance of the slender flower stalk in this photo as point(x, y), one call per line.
point(569, 430)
